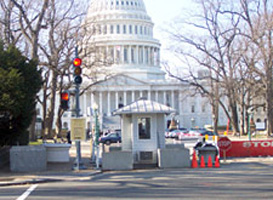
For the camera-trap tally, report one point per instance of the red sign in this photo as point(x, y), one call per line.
point(224, 143)
point(250, 148)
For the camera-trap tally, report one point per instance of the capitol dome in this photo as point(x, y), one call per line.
point(122, 33)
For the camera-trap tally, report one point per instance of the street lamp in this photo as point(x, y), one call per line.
point(97, 133)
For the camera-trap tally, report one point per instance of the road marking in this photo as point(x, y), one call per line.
point(27, 193)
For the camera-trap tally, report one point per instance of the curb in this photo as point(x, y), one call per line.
point(49, 180)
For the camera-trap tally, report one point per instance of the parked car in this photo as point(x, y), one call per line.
point(189, 135)
point(110, 138)
point(167, 133)
point(174, 134)
point(209, 133)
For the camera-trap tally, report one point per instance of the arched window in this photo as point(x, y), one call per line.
point(258, 120)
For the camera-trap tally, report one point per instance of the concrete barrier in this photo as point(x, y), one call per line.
point(57, 152)
point(4, 156)
point(117, 160)
point(174, 158)
point(28, 158)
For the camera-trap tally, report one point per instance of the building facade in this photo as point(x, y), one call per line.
point(123, 36)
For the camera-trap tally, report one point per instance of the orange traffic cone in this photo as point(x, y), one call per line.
point(202, 164)
point(209, 162)
point(194, 163)
point(217, 163)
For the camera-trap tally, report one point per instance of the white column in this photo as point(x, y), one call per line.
point(92, 99)
point(158, 57)
point(172, 100)
point(152, 56)
point(156, 96)
point(133, 96)
point(140, 94)
point(129, 54)
point(109, 103)
point(141, 55)
point(84, 105)
point(164, 98)
point(149, 95)
point(115, 54)
point(125, 98)
point(122, 54)
point(100, 102)
point(117, 100)
point(180, 103)
point(149, 56)
point(136, 54)
point(107, 51)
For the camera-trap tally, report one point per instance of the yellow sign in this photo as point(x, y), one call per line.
point(78, 129)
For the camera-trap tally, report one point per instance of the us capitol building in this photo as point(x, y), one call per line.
point(123, 31)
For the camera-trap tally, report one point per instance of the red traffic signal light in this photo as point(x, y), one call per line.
point(77, 70)
point(65, 96)
point(65, 100)
point(77, 62)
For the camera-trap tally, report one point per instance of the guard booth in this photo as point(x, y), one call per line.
point(143, 129)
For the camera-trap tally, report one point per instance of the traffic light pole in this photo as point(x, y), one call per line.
point(78, 165)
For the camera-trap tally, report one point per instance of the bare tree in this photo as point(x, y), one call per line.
point(220, 48)
point(50, 31)
point(213, 52)
point(257, 26)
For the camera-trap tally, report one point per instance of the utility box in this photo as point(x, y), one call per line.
point(28, 158)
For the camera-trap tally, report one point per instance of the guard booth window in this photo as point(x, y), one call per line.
point(144, 128)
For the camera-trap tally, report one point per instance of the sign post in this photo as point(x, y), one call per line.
point(78, 130)
point(224, 144)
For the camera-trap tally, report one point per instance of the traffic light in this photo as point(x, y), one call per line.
point(77, 70)
point(65, 100)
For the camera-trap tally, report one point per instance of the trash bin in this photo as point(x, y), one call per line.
point(206, 150)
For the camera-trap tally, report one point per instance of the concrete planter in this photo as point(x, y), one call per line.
point(27, 158)
point(57, 152)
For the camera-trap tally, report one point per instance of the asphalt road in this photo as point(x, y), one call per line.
point(231, 181)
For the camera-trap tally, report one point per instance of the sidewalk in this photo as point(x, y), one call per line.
point(54, 172)
point(64, 172)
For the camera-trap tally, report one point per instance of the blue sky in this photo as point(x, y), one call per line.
point(164, 12)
